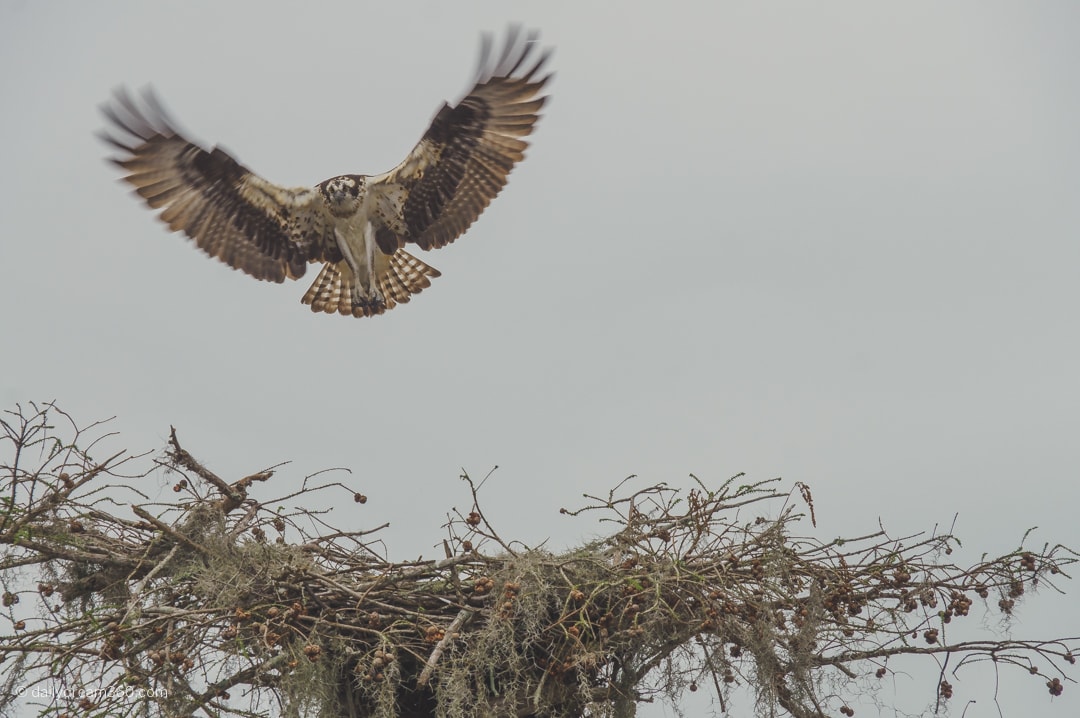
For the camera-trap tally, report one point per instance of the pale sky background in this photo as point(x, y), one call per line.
point(833, 242)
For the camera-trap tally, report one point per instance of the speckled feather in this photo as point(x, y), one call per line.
point(465, 157)
point(267, 231)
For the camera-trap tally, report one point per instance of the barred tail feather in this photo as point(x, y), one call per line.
point(328, 293)
point(404, 276)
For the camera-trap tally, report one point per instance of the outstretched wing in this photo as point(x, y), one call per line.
point(267, 231)
point(463, 159)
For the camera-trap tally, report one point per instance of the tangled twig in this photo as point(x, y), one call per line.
point(204, 595)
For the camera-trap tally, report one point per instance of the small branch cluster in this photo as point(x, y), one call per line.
point(218, 604)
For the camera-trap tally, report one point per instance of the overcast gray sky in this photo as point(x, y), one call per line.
point(835, 242)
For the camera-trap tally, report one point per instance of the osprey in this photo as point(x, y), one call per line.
point(357, 225)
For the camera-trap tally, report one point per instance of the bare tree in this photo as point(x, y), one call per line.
point(201, 606)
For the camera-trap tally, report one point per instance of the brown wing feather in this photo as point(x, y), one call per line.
point(267, 231)
point(464, 158)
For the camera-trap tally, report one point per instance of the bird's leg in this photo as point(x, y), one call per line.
point(369, 251)
point(357, 291)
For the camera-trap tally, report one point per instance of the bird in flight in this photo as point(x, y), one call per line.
point(356, 225)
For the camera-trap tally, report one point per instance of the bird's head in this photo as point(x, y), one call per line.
point(342, 194)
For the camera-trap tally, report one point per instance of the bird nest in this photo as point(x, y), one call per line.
point(218, 604)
